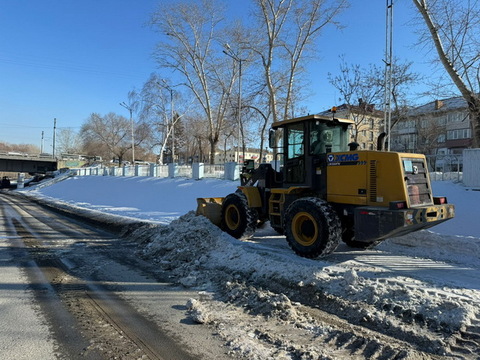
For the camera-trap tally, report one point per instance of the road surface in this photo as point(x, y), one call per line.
point(71, 291)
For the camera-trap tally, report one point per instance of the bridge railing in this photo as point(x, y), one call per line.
point(25, 156)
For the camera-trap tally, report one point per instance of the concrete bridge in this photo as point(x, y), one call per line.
point(25, 163)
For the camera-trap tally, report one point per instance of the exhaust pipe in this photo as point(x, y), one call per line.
point(381, 141)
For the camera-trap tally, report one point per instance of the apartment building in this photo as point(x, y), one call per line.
point(440, 128)
point(236, 155)
point(368, 123)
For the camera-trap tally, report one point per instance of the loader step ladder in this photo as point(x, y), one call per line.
point(275, 207)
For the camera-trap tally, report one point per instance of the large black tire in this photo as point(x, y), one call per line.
point(238, 219)
point(312, 227)
point(279, 230)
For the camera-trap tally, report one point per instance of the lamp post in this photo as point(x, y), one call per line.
point(129, 108)
point(235, 57)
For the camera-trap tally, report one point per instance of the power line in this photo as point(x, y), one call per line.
point(3, 125)
point(59, 65)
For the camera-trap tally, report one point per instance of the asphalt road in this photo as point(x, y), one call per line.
point(71, 291)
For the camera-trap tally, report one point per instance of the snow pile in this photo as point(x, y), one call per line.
point(196, 251)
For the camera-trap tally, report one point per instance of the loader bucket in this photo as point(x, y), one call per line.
point(211, 208)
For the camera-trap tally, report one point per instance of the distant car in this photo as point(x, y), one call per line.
point(5, 184)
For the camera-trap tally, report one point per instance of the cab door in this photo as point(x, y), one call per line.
point(295, 154)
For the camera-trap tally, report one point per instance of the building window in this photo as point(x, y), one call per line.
point(459, 134)
point(441, 120)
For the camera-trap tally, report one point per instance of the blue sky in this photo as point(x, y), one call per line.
point(65, 59)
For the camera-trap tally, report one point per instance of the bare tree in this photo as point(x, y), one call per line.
point(111, 132)
point(362, 87)
point(257, 112)
point(428, 131)
point(197, 145)
point(453, 29)
point(157, 110)
point(402, 80)
point(68, 141)
point(189, 46)
point(287, 29)
point(23, 148)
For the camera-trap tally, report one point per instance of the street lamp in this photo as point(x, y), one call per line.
point(129, 108)
point(235, 57)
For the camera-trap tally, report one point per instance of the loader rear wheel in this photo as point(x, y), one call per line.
point(312, 227)
point(238, 219)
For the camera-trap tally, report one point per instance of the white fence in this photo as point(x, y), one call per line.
point(448, 169)
point(229, 171)
point(456, 176)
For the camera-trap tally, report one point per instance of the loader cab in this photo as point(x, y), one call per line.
point(302, 147)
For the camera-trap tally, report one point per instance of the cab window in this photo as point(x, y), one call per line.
point(295, 141)
point(326, 139)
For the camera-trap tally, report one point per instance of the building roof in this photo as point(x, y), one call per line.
point(345, 108)
point(439, 106)
point(323, 118)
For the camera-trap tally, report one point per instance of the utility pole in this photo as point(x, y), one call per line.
point(165, 85)
point(388, 71)
point(41, 144)
point(54, 135)
point(172, 120)
point(235, 57)
point(130, 110)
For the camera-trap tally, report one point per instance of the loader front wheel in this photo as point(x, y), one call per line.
point(238, 219)
point(312, 227)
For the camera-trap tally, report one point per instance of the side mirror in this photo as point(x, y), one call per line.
point(271, 139)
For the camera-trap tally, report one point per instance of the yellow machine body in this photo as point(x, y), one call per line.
point(375, 178)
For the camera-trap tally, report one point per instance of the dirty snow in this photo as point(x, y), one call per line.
point(423, 287)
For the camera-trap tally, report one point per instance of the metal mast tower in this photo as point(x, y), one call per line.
point(388, 71)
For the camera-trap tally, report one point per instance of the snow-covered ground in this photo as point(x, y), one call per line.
point(423, 287)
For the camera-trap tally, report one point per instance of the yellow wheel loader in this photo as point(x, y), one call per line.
point(322, 190)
